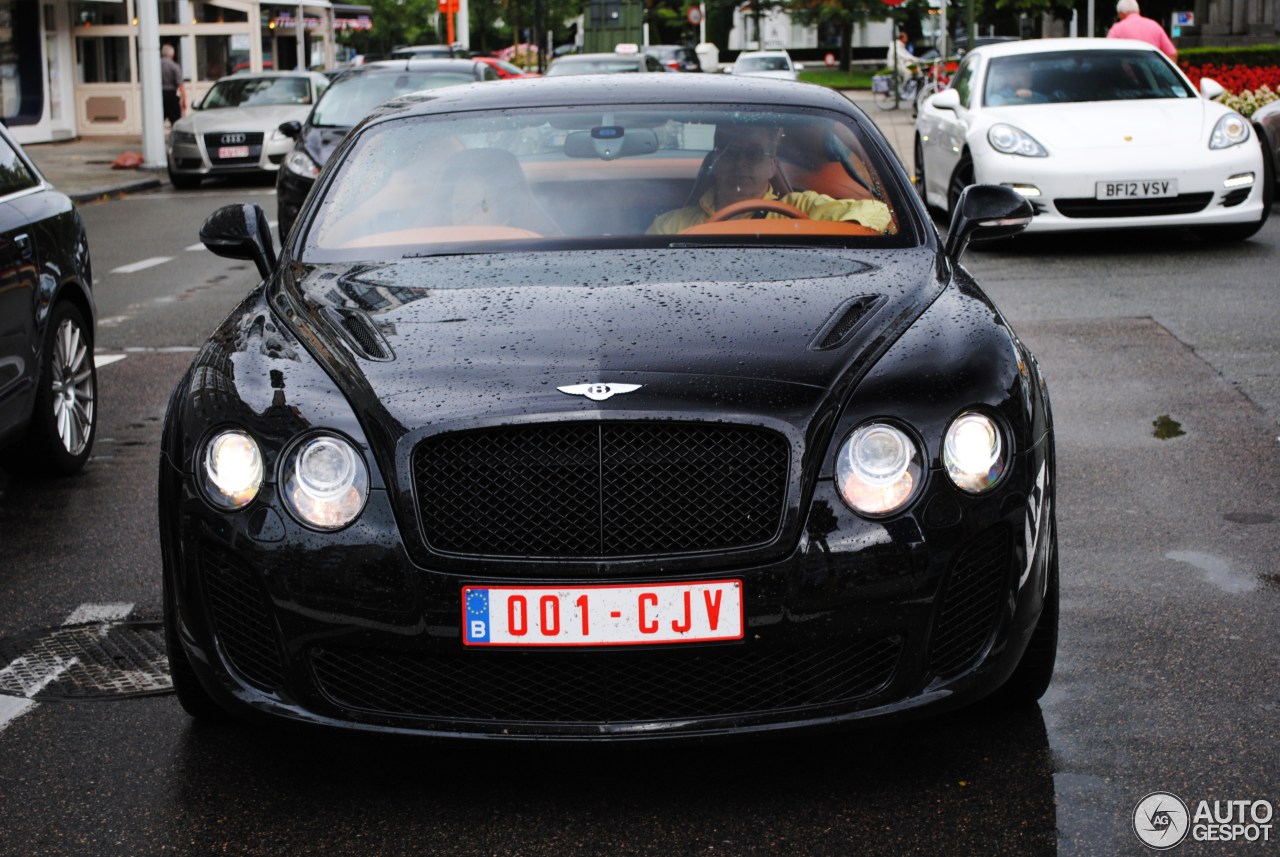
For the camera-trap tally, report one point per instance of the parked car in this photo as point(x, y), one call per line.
point(775, 64)
point(506, 70)
point(492, 451)
point(675, 57)
point(347, 101)
point(1099, 134)
point(1266, 120)
point(614, 63)
point(48, 379)
point(235, 128)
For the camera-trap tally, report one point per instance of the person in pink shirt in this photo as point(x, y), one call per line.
point(1133, 26)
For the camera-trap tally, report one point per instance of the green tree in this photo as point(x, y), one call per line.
point(841, 14)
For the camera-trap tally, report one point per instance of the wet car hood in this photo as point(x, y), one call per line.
point(266, 117)
point(496, 335)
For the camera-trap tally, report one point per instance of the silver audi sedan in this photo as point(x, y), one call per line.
point(235, 127)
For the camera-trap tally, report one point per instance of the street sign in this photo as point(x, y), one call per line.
point(1184, 19)
point(830, 60)
point(694, 15)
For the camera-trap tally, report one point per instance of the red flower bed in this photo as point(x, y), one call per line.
point(1236, 78)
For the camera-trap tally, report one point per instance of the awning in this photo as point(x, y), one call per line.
point(348, 17)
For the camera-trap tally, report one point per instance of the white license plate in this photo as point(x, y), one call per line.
point(602, 615)
point(226, 152)
point(1143, 189)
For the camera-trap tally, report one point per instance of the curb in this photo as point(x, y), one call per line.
point(112, 190)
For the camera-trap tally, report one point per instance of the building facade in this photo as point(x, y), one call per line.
point(69, 68)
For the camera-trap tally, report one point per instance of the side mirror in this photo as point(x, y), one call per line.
point(291, 129)
point(1211, 89)
point(986, 211)
point(947, 99)
point(240, 232)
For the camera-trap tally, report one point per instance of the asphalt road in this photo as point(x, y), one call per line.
point(1169, 666)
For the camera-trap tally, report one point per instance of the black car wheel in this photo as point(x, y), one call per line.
point(960, 179)
point(64, 422)
point(184, 182)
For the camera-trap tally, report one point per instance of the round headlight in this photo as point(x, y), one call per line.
point(1231, 130)
point(878, 469)
point(973, 452)
point(232, 470)
point(325, 482)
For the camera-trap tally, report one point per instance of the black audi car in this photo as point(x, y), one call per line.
point(653, 409)
point(348, 100)
point(48, 380)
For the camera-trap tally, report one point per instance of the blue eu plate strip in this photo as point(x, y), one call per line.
point(477, 629)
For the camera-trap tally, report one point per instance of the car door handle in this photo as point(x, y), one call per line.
point(23, 243)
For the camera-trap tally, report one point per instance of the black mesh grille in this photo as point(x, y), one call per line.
point(599, 687)
point(214, 142)
point(1235, 197)
point(1185, 203)
point(241, 621)
point(971, 602)
point(602, 489)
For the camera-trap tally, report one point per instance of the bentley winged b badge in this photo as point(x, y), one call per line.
point(598, 392)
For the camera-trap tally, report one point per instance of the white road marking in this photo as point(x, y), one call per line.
point(87, 613)
point(141, 266)
point(194, 247)
point(38, 673)
point(107, 359)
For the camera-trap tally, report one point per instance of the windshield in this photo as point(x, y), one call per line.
point(588, 178)
point(257, 91)
point(593, 66)
point(1117, 75)
point(351, 98)
point(762, 64)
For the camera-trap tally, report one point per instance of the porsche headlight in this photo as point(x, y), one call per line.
point(1231, 130)
point(232, 470)
point(878, 469)
point(1014, 141)
point(325, 482)
point(300, 162)
point(973, 452)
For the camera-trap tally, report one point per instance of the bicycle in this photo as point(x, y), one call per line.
point(888, 96)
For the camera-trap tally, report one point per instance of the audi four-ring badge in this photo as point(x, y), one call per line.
point(649, 411)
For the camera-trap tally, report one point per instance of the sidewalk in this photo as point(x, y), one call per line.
point(81, 168)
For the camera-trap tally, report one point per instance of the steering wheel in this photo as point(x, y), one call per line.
point(747, 206)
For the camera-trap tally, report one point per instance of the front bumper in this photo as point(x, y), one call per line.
point(1066, 198)
point(191, 155)
point(860, 621)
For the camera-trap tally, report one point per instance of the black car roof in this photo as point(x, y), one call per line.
point(602, 90)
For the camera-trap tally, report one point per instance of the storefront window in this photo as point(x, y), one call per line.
point(214, 58)
point(103, 59)
point(99, 14)
point(211, 13)
point(21, 71)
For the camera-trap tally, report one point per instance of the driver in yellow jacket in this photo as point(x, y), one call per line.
point(740, 170)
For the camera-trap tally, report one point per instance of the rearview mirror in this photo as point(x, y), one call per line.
point(984, 212)
point(947, 99)
point(291, 129)
point(240, 232)
point(611, 141)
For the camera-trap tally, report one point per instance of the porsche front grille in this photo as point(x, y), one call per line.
point(601, 490)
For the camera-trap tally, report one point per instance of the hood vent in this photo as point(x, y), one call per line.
point(845, 321)
point(363, 334)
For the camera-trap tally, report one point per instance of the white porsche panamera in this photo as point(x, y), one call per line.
point(1097, 134)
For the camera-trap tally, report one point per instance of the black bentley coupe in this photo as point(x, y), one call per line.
point(630, 408)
